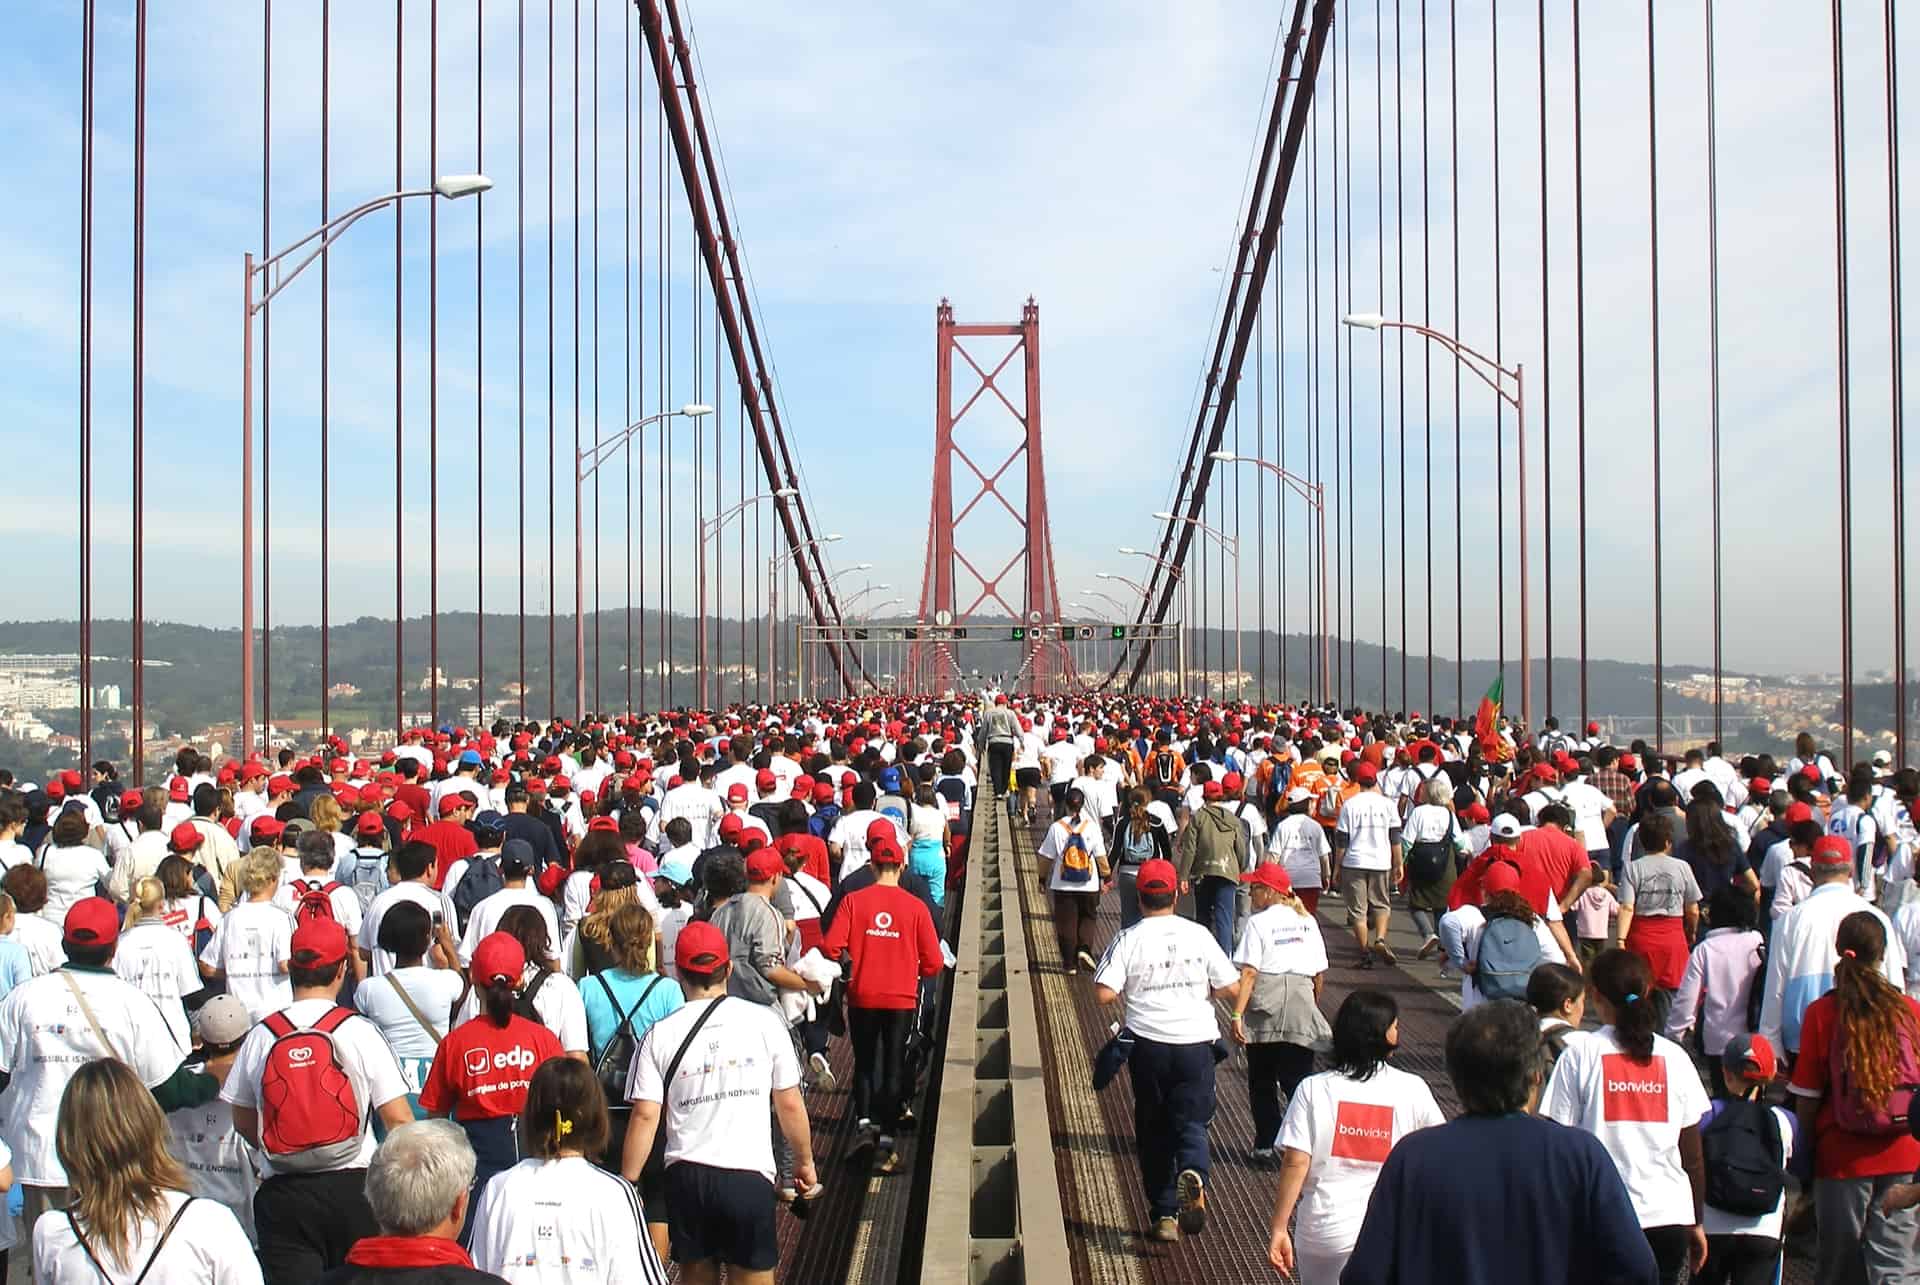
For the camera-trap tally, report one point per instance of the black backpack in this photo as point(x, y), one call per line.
point(1746, 1170)
point(523, 1000)
point(480, 880)
point(1428, 860)
point(616, 1059)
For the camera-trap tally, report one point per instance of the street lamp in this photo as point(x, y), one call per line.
point(1179, 577)
point(269, 276)
point(1232, 548)
point(1316, 497)
point(775, 563)
point(585, 464)
point(709, 529)
point(1494, 376)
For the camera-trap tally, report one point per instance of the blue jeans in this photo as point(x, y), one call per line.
point(1213, 906)
point(1172, 1106)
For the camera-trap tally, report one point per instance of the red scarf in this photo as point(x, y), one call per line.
point(408, 1251)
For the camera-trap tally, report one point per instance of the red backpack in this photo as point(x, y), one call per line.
point(1852, 1112)
point(314, 900)
point(310, 1117)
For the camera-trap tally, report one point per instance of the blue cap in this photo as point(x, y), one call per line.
point(488, 820)
point(676, 870)
point(890, 779)
point(470, 758)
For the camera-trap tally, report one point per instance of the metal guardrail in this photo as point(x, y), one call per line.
point(993, 1207)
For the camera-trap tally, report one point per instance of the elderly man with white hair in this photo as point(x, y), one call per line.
point(418, 1185)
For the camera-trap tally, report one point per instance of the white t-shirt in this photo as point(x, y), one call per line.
point(557, 1222)
point(1368, 820)
point(419, 894)
point(220, 1163)
point(1062, 760)
point(157, 960)
point(45, 1037)
point(363, 1054)
point(1347, 1127)
point(1166, 969)
point(487, 914)
point(1589, 804)
point(433, 991)
point(43, 940)
point(558, 1004)
point(183, 914)
point(208, 1247)
point(71, 876)
point(715, 1112)
point(250, 946)
point(849, 834)
point(1637, 1111)
point(1279, 940)
point(1300, 844)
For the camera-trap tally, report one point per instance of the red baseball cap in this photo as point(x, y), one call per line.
point(764, 864)
point(885, 851)
point(1629, 763)
point(1366, 774)
point(280, 784)
point(764, 779)
point(605, 823)
point(1832, 852)
point(268, 829)
point(176, 789)
point(880, 828)
point(92, 921)
point(730, 827)
point(1272, 875)
point(823, 791)
point(736, 793)
point(370, 825)
point(1798, 812)
point(1232, 782)
point(700, 948)
point(1752, 1056)
point(498, 958)
point(1157, 875)
point(1501, 876)
point(131, 801)
point(1810, 772)
point(71, 779)
point(318, 943)
point(452, 803)
point(186, 837)
point(1211, 791)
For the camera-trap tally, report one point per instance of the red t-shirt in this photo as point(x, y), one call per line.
point(481, 1071)
point(416, 797)
point(1838, 1153)
point(1554, 856)
point(451, 842)
point(889, 935)
point(1533, 878)
point(812, 847)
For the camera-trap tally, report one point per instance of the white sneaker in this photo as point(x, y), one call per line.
point(1427, 947)
point(823, 1079)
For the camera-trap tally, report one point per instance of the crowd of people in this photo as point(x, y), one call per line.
point(1697, 962)
point(537, 1002)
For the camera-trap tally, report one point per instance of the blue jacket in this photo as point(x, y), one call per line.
point(1500, 1199)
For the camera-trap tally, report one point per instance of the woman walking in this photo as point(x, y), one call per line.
point(1137, 838)
point(1436, 852)
point(1659, 911)
point(1276, 1012)
point(1077, 873)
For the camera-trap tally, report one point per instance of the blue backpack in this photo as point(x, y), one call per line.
point(1508, 954)
point(1076, 863)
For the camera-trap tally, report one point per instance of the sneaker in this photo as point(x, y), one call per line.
point(1366, 961)
point(1264, 1155)
point(1086, 958)
point(1427, 947)
point(1385, 952)
point(1193, 1202)
point(1072, 970)
point(1446, 974)
point(885, 1158)
point(906, 1122)
point(1166, 1229)
point(822, 1073)
point(865, 1135)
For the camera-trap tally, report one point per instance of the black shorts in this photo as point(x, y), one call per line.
point(1027, 778)
point(721, 1215)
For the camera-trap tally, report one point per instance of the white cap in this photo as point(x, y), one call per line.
point(1506, 826)
point(1299, 794)
point(1883, 758)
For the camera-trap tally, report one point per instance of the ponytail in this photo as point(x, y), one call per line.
point(1874, 1016)
point(497, 1002)
point(1625, 980)
point(149, 894)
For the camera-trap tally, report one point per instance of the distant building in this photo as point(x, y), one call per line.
point(107, 697)
point(342, 690)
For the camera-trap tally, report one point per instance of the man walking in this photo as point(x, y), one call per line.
point(1169, 970)
point(1367, 837)
point(1212, 853)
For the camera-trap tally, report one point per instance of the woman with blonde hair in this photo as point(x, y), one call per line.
point(1276, 1012)
point(156, 959)
point(589, 947)
point(329, 818)
point(133, 1216)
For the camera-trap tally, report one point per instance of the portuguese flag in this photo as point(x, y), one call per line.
point(1487, 716)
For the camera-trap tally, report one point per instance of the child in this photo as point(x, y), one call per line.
point(221, 1165)
point(1559, 995)
point(1722, 970)
point(1592, 916)
point(251, 947)
point(1743, 1245)
point(1275, 1014)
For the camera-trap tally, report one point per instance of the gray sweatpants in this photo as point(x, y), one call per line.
point(1859, 1245)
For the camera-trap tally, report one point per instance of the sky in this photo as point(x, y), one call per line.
point(880, 157)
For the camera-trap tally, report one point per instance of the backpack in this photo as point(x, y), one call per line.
point(310, 1118)
point(1428, 860)
point(480, 880)
point(313, 900)
point(616, 1059)
point(1508, 954)
point(1327, 807)
point(1757, 992)
point(1076, 863)
point(1746, 1168)
point(523, 1000)
point(1163, 770)
point(1138, 845)
point(367, 877)
point(1852, 1112)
